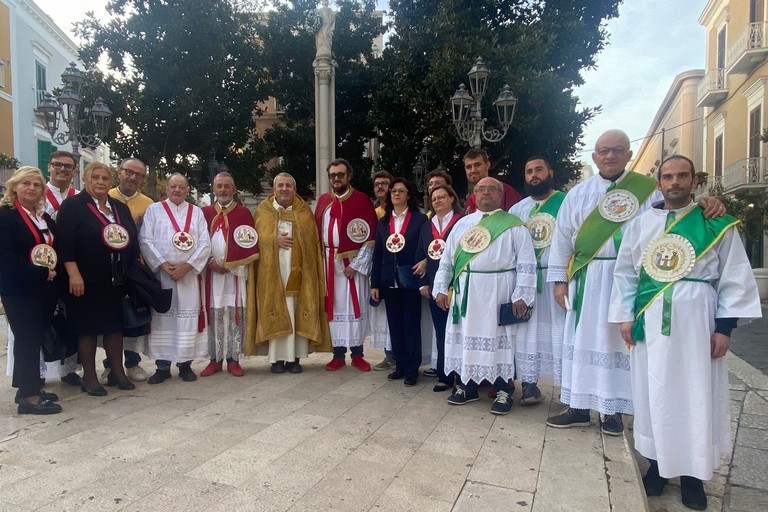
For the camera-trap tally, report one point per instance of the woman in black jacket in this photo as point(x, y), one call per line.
point(393, 279)
point(446, 210)
point(98, 241)
point(28, 263)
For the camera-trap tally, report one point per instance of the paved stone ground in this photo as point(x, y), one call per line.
point(315, 441)
point(741, 484)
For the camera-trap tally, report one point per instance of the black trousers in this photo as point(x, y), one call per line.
point(404, 320)
point(29, 319)
point(439, 319)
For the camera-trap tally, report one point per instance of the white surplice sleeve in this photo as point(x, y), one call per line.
point(737, 295)
point(363, 260)
point(561, 249)
point(202, 250)
point(525, 283)
point(149, 250)
point(626, 275)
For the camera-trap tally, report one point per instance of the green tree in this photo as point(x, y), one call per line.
point(538, 47)
point(182, 81)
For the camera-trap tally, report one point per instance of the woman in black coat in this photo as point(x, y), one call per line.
point(27, 288)
point(446, 210)
point(393, 279)
point(98, 241)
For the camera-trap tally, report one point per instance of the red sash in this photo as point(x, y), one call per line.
point(31, 226)
point(335, 217)
point(392, 230)
point(52, 199)
point(187, 223)
point(440, 234)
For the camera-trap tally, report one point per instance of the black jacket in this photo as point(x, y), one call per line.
point(385, 263)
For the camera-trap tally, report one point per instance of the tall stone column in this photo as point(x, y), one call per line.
point(325, 99)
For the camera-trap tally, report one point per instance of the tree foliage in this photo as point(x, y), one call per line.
point(182, 81)
point(538, 47)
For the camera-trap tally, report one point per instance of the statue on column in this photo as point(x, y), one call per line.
point(324, 38)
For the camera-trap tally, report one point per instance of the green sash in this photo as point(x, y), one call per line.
point(703, 234)
point(551, 205)
point(496, 224)
point(597, 230)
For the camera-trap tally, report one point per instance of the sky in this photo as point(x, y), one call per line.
point(650, 43)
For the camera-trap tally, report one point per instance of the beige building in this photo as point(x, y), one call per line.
point(733, 94)
point(677, 127)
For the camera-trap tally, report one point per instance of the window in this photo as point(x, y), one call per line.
point(44, 150)
point(40, 82)
point(718, 156)
point(2, 73)
point(721, 50)
point(754, 132)
point(756, 10)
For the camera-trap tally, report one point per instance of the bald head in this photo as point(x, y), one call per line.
point(177, 188)
point(612, 153)
point(488, 192)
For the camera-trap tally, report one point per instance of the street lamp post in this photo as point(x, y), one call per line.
point(420, 172)
point(466, 108)
point(66, 106)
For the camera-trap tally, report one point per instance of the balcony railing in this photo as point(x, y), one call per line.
point(712, 88)
point(748, 50)
point(744, 175)
point(711, 187)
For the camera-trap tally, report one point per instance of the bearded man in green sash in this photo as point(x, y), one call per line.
point(588, 234)
point(681, 283)
point(488, 261)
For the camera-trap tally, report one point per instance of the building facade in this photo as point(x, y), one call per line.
point(733, 95)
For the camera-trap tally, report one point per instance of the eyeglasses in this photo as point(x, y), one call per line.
point(381, 184)
point(617, 151)
point(399, 191)
point(61, 165)
point(336, 175)
point(486, 188)
point(133, 174)
point(439, 198)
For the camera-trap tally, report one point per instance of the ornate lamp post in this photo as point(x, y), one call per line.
point(466, 108)
point(420, 171)
point(67, 104)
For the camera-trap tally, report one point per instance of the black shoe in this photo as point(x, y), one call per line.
point(72, 379)
point(692, 493)
point(97, 391)
point(653, 482)
point(293, 367)
point(44, 395)
point(42, 406)
point(395, 375)
point(125, 385)
point(440, 387)
point(568, 418)
point(186, 373)
point(461, 397)
point(159, 376)
point(278, 367)
point(612, 425)
point(411, 380)
point(502, 404)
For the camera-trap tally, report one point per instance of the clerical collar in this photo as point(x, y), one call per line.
point(127, 198)
point(612, 178)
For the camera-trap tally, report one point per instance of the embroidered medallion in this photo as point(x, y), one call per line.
point(115, 236)
point(246, 236)
point(669, 258)
point(43, 255)
point(542, 228)
point(475, 239)
point(358, 230)
point(618, 205)
point(183, 241)
point(436, 248)
point(395, 242)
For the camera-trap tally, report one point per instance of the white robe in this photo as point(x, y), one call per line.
point(346, 330)
point(175, 335)
point(291, 346)
point(595, 360)
point(682, 405)
point(540, 339)
point(227, 294)
point(477, 348)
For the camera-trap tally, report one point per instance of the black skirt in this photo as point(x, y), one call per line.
point(98, 311)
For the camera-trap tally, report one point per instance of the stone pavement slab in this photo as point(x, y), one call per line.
point(346, 441)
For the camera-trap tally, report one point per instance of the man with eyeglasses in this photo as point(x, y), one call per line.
point(588, 233)
point(488, 265)
point(379, 326)
point(346, 222)
point(131, 175)
point(477, 166)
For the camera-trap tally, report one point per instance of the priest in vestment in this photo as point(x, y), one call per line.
point(286, 316)
point(678, 320)
point(540, 340)
point(234, 246)
point(504, 271)
point(346, 221)
point(175, 244)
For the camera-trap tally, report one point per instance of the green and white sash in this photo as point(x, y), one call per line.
point(670, 257)
point(495, 224)
point(541, 223)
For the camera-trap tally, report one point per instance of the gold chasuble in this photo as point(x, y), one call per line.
point(268, 316)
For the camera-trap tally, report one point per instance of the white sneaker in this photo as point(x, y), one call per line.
point(136, 373)
point(104, 376)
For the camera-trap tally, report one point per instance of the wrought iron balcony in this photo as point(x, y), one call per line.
point(712, 88)
point(745, 175)
point(709, 187)
point(748, 50)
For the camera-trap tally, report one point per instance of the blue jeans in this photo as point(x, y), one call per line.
point(340, 352)
point(131, 359)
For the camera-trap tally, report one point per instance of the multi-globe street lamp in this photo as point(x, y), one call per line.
point(68, 103)
point(466, 108)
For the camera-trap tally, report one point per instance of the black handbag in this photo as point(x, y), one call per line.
point(405, 278)
point(507, 315)
point(136, 317)
point(60, 341)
